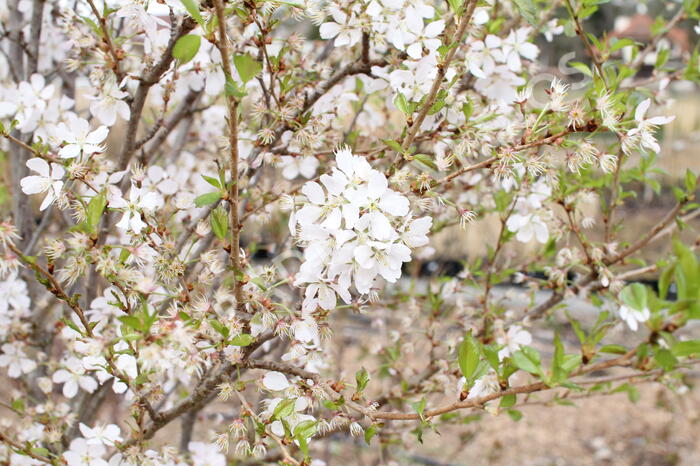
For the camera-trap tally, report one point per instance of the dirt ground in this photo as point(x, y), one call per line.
point(660, 429)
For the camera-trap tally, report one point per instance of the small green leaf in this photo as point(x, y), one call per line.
point(232, 89)
point(613, 349)
point(219, 222)
point(362, 379)
point(425, 160)
point(401, 104)
point(219, 327)
point(95, 208)
point(369, 433)
point(508, 401)
point(393, 145)
point(468, 356)
point(467, 109)
point(192, 8)
point(632, 392)
point(305, 429)
point(690, 182)
point(621, 43)
point(18, 405)
point(686, 348)
point(206, 199)
point(247, 67)
point(528, 10)
point(244, 339)
point(419, 406)
point(515, 414)
point(582, 67)
point(131, 321)
point(665, 359)
point(40, 451)
point(665, 280)
point(212, 181)
point(528, 359)
point(284, 408)
point(186, 48)
point(634, 295)
point(456, 6)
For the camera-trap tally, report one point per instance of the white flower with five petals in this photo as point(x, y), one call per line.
point(138, 202)
point(80, 140)
point(49, 180)
point(643, 134)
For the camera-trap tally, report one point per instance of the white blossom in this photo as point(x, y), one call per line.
point(80, 139)
point(16, 360)
point(633, 317)
point(49, 180)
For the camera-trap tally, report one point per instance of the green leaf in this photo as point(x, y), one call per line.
point(665, 280)
point(401, 104)
point(662, 57)
point(632, 392)
point(613, 349)
point(284, 408)
point(634, 295)
point(219, 327)
point(439, 103)
point(582, 67)
point(508, 401)
point(186, 48)
point(665, 359)
point(132, 321)
point(467, 109)
point(212, 181)
point(425, 160)
point(219, 222)
point(362, 379)
point(206, 199)
point(558, 372)
point(95, 208)
point(515, 414)
point(528, 360)
point(528, 10)
point(247, 67)
point(690, 182)
point(369, 433)
point(456, 6)
point(232, 89)
point(687, 272)
point(419, 406)
point(244, 339)
point(686, 348)
point(40, 451)
point(289, 3)
point(192, 8)
point(393, 144)
point(305, 429)
point(18, 405)
point(621, 43)
point(468, 356)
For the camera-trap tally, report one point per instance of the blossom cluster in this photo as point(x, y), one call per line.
point(354, 229)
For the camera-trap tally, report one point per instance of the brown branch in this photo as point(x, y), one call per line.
point(490, 161)
point(24, 450)
point(149, 77)
point(232, 108)
point(37, 16)
point(479, 402)
point(104, 28)
point(437, 83)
